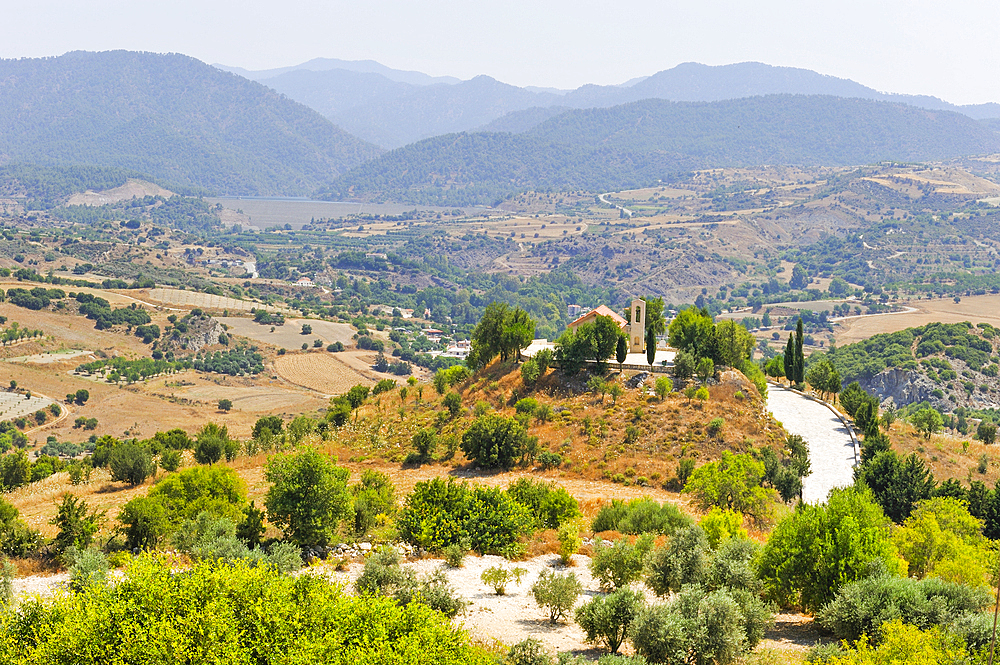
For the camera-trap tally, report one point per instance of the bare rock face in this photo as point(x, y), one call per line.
point(901, 386)
point(201, 332)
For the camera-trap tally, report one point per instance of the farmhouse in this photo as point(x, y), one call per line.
point(305, 281)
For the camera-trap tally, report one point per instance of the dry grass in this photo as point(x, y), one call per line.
point(290, 335)
point(976, 309)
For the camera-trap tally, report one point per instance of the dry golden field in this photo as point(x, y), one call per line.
point(320, 371)
point(290, 335)
point(975, 309)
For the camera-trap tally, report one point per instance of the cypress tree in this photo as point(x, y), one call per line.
point(800, 361)
point(790, 360)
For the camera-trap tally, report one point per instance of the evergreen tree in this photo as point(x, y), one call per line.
point(800, 363)
point(650, 347)
point(790, 360)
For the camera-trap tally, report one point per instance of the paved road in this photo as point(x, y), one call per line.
point(831, 449)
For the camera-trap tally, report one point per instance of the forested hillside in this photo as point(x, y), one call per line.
point(170, 117)
point(649, 140)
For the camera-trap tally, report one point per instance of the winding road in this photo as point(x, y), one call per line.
point(831, 448)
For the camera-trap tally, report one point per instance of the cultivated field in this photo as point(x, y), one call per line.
point(323, 372)
point(290, 335)
point(252, 397)
point(206, 300)
point(52, 357)
point(15, 405)
point(975, 309)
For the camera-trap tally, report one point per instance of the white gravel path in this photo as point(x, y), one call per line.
point(831, 449)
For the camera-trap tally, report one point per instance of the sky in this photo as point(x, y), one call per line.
point(945, 49)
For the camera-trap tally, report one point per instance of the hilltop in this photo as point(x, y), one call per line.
point(170, 117)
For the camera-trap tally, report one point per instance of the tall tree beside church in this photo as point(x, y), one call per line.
point(650, 347)
point(800, 361)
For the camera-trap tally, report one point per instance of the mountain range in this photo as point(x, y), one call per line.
point(392, 108)
point(171, 117)
point(642, 142)
point(193, 127)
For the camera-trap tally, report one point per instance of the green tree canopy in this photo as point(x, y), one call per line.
point(308, 496)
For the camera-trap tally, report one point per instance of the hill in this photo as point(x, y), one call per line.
point(646, 141)
point(170, 117)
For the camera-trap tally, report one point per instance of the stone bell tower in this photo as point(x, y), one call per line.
point(637, 327)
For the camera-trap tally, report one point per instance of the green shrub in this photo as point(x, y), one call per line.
point(308, 496)
point(498, 577)
point(526, 405)
point(861, 607)
point(7, 574)
point(685, 467)
point(710, 627)
point(715, 426)
point(550, 505)
point(143, 523)
point(732, 566)
point(663, 387)
point(556, 593)
point(607, 620)
point(373, 501)
point(131, 463)
point(170, 460)
point(529, 372)
point(814, 551)
point(87, 567)
point(454, 554)
point(242, 614)
point(734, 482)
point(384, 576)
point(425, 443)
point(216, 490)
point(549, 460)
point(494, 441)
point(640, 516)
point(824, 653)
point(76, 526)
point(453, 402)
point(527, 652)
point(569, 541)
point(620, 564)
point(439, 513)
point(720, 525)
point(683, 560)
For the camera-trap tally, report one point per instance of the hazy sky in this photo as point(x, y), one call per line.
point(946, 49)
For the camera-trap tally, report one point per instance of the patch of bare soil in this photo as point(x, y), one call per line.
point(130, 190)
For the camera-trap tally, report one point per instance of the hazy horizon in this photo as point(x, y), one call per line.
point(915, 47)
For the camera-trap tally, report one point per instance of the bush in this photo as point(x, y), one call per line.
point(373, 501)
point(620, 564)
point(211, 443)
point(549, 460)
point(76, 526)
point(817, 549)
point(526, 405)
point(498, 577)
point(640, 516)
point(732, 566)
point(384, 576)
point(607, 620)
point(439, 513)
point(529, 372)
point(902, 643)
point(425, 442)
point(715, 426)
point(721, 525)
point(494, 441)
point(859, 608)
point(544, 360)
point(215, 490)
point(663, 387)
point(551, 506)
point(88, 567)
point(170, 460)
point(733, 483)
point(7, 574)
point(683, 560)
point(143, 523)
point(243, 614)
point(308, 497)
point(556, 593)
point(527, 652)
point(710, 627)
point(131, 463)
point(453, 402)
point(284, 557)
point(569, 541)
point(454, 554)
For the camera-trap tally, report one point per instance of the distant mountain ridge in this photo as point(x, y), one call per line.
point(642, 142)
point(170, 117)
point(417, 108)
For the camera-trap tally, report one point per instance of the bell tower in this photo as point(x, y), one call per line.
point(637, 328)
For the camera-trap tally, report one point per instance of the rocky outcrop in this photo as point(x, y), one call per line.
point(901, 386)
point(200, 333)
